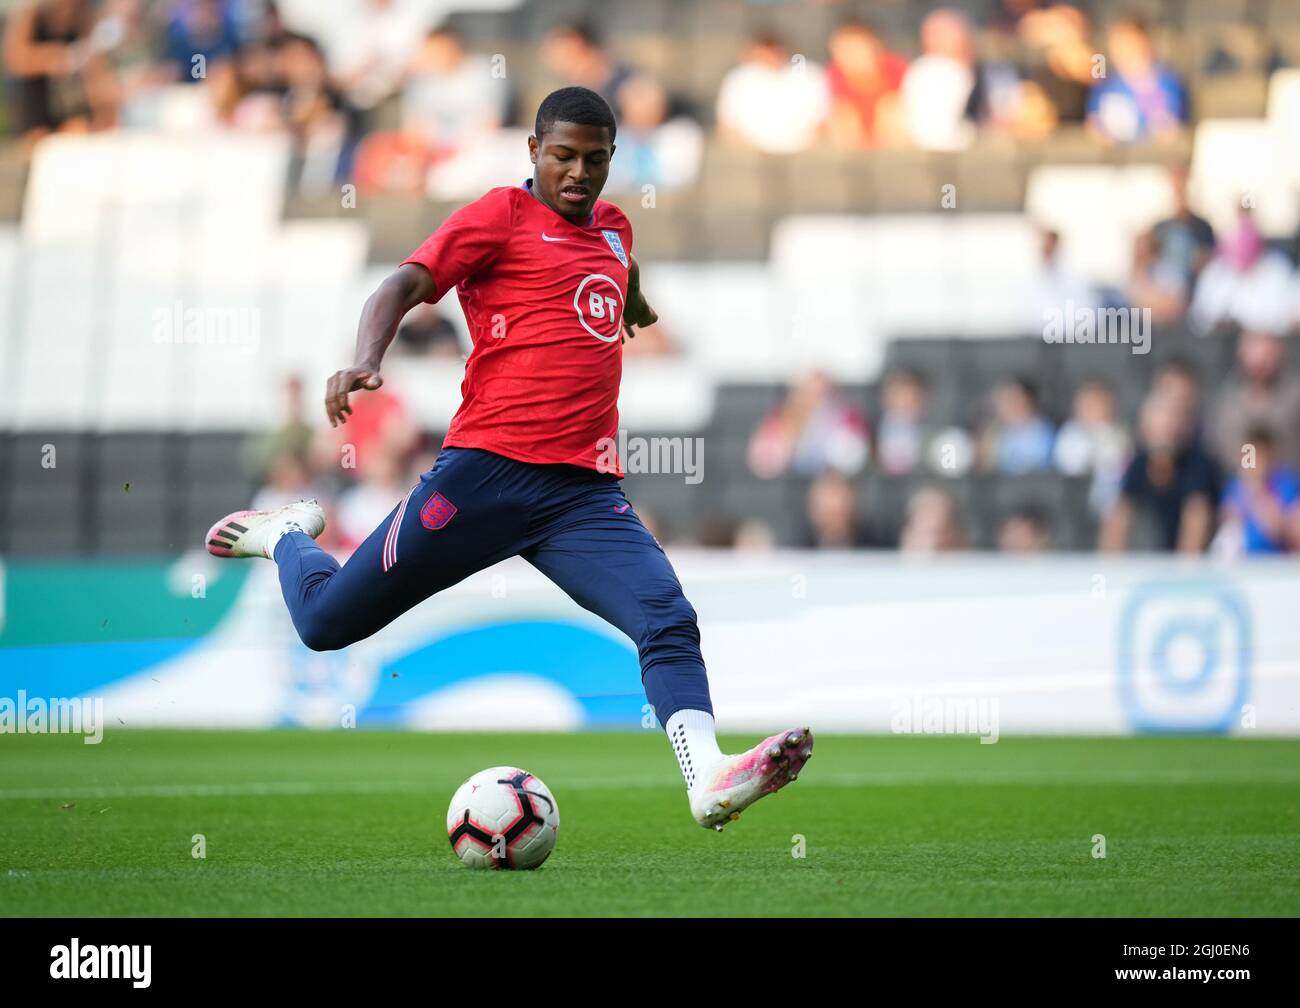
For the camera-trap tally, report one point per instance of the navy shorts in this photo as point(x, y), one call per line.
point(475, 508)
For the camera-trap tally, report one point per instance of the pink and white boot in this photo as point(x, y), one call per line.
point(255, 533)
point(735, 782)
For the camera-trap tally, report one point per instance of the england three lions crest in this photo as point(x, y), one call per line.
point(616, 245)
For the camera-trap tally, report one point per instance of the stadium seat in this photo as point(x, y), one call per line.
point(721, 317)
point(135, 493)
point(995, 498)
point(906, 181)
point(941, 363)
point(1233, 158)
point(988, 362)
point(1284, 117)
point(992, 181)
point(1238, 96)
point(664, 394)
point(59, 331)
point(48, 509)
point(1098, 210)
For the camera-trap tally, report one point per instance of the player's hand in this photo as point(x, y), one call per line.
point(341, 383)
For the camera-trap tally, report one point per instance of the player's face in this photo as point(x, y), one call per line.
point(571, 166)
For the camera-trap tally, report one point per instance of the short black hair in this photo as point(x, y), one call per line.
point(578, 105)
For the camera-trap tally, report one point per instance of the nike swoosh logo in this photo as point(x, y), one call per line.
point(620, 510)
point(546, 237)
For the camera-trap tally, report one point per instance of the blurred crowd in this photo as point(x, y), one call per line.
point(397, 102)
point(1053, 72)
point(1200, 472)
point(1216, 473)
point(394, 102)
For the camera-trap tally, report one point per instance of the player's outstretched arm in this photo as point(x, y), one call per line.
point(638, 311)
point(383, 312)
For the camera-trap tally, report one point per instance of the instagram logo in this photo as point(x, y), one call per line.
point(1184, 656)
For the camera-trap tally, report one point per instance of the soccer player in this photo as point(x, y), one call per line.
point(545, 276)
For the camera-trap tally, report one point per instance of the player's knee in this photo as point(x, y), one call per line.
point(671, 623)
point(322, 634)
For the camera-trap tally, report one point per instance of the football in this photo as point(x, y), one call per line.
point(503, 817)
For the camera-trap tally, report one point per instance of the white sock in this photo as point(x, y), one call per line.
point(277, 534)
point(694, 743)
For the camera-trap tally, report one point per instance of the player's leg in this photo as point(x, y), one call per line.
point(465, 514)
point(596, 549)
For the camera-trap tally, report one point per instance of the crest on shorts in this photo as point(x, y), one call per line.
point(437, 511)
point(616, 245)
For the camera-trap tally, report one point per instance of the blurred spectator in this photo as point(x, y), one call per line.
point(773, 101)
point(832, 514)
point(55, 73)
point(864, 78)
point(425, 331)
point(1019, 439)
point(1154, 284)
point(1062, 70)
point(261, 83)
point(288, 479)
point(1246, 283)
point(1024, 530)
point(1179, 380)
point(932, 524)
point(379, 423)
point(1094, 442)
point(653, 149)
point(451, 96)
point(1139, 98)
point(202, 40)
point(573, 53)
point(904, 427)
point(938, 87)
point(314, 115)
point(1261, 506)
point(1170, 479)
point(1262, 393)
point(812, 431)
point(375, 51)
point(363, 506)
point(292, 438)
point(450, 102)
point(1184, 242)
point(1058, 291)
point(129, 42)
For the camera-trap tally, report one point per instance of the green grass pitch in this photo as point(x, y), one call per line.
point(352, 822)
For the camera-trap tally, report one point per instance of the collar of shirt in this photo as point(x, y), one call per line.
point(527, 187)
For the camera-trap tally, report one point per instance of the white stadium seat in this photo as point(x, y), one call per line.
point(1284, 118)
point(1098, 210)
point(163, 290)
point(1236, 158)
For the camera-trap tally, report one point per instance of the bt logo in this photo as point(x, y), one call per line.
point(599, 304)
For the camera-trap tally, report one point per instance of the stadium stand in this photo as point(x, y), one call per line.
point(153, 308)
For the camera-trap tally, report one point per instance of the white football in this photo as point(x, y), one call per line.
point(503, 817)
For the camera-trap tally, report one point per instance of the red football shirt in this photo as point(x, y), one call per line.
point(544, 301)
